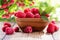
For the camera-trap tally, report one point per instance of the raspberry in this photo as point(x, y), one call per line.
point(27, 10)
point(12, 1)
point(16, 29)
point(9, 31)
point(53, 22)
point(47, 15)
point(8, 24)
point(7, 16)
point(5, 0)
point(3, 29)
point(56, 28)
point(28, 29)
point(34, 10)
point(4, 5)
point(37, 16)
point(6, 10)
point(51, 28)
point(20, 14)
point(29, 15)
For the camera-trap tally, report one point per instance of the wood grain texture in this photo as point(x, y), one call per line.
point(1, 33)
point(33, 36)
point(56, 35)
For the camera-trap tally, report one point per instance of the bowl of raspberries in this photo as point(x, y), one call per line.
point(31, 20)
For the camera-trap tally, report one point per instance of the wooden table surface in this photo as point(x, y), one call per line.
point(29, 36)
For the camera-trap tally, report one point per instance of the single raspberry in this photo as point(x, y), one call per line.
point(28, 29)
point(3, 29)
point(56, 28)
point(6, 9)
point(5, 0)
point(34, 10)
point(29, 15)
point(51, 28)
point(33, 2)
point(4, 5)
point(12, 1)
point(53, 22)
point(47, 15)
point(20, 14)
point(27, 10)
point(16, 29)
point(7, 16)
point(8, 24)
point(9, 31)
point(37, 16)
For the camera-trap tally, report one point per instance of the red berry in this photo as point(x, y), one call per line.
point(37, 16)
point(4, 5)
point(3, 29)
point(16, 29)
point(20, 14)
point(27, 10)
point(47, 15)
point(33, 2)
point(9, 31)
point(29, 15)
point(56, 28)
point(28, 29)
point(7, 16)
point(6, 10)
point(5, 0)
point(8, 24)
point(12, 1)
point(53, 22)
point(51, 28)
point(34, 10)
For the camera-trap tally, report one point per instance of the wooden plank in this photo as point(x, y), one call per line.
point(46, 37)
point(56, 35)
point(24, 36)
point(1, 33)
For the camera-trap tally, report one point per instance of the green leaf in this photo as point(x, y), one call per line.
point(44, 18)
point(1, 12)
point(13, 8)
point(40, 8)
point(49, 9)
point(1, 2)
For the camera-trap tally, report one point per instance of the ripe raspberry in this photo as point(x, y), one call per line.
point(5, 0)
point(20, 14)
point(4, 5)
point(51, 28)
point(28, 29)
point(6, 10)
point(27, 10)
point(56, 28)
point(16, 29)
point(47, 15)
point(9, 31)
point(34, 10)
point(37, 16)
point(12, 1)
point(29, 15)
point(53, 22)
point(7, 16)
point(3, 29)
point(8, 24)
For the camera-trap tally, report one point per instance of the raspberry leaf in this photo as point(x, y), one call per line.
point(49, 9)
point(13, 8)
point(44, 18)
